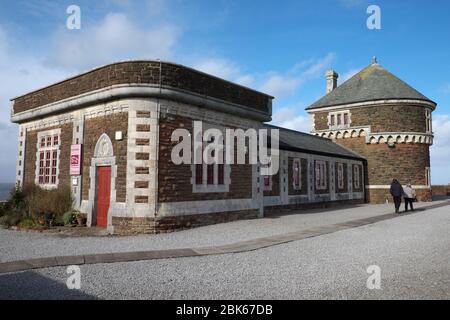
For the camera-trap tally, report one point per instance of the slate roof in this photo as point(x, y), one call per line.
point(303, 142)
point(371, 84)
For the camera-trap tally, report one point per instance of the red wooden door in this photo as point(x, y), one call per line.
point(103, 195)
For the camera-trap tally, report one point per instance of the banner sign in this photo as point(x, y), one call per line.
point(75, 160)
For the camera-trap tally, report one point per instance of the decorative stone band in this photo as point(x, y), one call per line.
point(393, 102)
point(122, 91)
point(378, 137)
point(418, 187)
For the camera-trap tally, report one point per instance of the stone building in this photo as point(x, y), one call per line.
point(107, 134)
point(384, 120)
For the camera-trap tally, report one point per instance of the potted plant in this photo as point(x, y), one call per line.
point(81, 218)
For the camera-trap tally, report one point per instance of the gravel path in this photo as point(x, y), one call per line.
point(412, 252)
point(16, 245)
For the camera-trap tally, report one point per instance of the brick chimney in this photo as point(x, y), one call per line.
point(332, 78)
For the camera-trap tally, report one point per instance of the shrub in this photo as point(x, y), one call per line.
point(27, 223)
point(68, 217)
point(11, 219)
point(48, 202)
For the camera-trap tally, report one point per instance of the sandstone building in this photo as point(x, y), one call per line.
point(384, 120)
point(107, 134)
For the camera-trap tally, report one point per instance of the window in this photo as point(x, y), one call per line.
point(210, 177)
point(321, 175)
point(428, 120)
point(427, 177)
point(356, 176)
point(332, 120)
point(340, 176)
point(296, 174)
point(339, 120)
point(48, 158)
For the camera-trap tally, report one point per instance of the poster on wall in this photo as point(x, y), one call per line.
point(75, 160)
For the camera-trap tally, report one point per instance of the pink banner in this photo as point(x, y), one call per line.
point(75, 160)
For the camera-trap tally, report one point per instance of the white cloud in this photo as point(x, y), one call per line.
point(289, 117)
point(114, 38)
point(280, 85)
point(440, 151)
point(20, 73)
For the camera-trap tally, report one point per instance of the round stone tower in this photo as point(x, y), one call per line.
point(386, 121)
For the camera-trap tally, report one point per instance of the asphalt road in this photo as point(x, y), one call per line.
point(413, 253)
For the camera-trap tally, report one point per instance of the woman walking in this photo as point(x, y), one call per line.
point(409, 194)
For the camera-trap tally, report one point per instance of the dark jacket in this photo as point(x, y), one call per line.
point(396, 189)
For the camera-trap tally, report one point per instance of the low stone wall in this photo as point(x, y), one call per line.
point(129, 226)
point(308, 206)
point(378, 196)
point(441, 190)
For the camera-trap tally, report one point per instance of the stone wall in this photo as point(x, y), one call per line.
point(387, 118)
point(145, 72)
point(127, 226)
point(405, 162)
point(175, 181)
point(381, 195)
point(93, 129)
point(64, 156)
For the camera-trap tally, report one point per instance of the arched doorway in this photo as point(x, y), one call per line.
point(102, 190)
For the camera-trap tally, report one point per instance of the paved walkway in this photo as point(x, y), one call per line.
point(237, 247)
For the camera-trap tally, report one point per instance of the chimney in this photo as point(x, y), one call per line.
point(332, 78)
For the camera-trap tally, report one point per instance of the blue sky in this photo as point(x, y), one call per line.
point(280, 47)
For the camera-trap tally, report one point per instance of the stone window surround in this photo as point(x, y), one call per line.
point(41, 134)
point(428, 176)
point(321, 183)
point(299, 161)
point(339, 113)
point(356, 176)
point(340, 175)
point(429, 122)
point(103, 156)
point(215, 187)
point(267, 187)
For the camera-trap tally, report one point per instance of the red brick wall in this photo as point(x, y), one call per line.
point(174, 181)
point(93, 129)
point(64, 156)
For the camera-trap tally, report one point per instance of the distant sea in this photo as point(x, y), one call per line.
point(5, 189)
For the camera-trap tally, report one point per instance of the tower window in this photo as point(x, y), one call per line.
point(339, 120)
point(428, 120)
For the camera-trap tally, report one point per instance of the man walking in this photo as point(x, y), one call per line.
point(409, 194)
point(397, 192)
